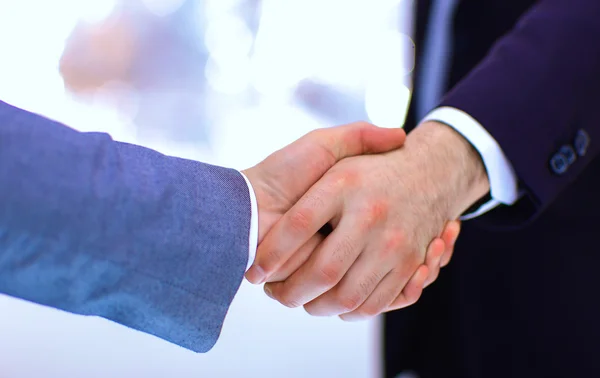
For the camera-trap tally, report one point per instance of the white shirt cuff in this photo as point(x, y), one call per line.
point(253, 237)
point(502, 176)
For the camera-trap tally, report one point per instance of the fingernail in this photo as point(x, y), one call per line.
point(255, 275)
point(268, 291)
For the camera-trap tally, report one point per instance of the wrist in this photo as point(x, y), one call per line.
point(460, 165)
point(262, 196)
point(250, 175)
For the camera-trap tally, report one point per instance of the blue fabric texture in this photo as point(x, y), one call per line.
point(97, 227)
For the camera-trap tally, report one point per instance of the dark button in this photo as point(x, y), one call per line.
point(582, 142)
point(559, 163)
point(569, 153)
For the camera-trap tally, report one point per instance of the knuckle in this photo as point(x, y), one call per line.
point(393, 245)
point(269, 260)
point(329, 275)
point(325, 140)
point(348, 300)
point(320, 162)
point(369, 311)
point(413, 259)
point(380, 302)
point(345, 178)
point(286, 299)
point(395, 241)
point(364, 125)
point(301, 219)
point(378, 209)
point(312, 309)
point(374, 213)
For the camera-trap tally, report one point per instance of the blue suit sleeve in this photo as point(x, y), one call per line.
point(97, 227)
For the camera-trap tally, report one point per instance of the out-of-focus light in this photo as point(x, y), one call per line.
point(216, 8)
point(163, 8)
point(386, 5)
point(387, 104)
point(228, 78)
point(95, 11)
point(86, 116)
point(258, 131)
point(331, 41)
point(119, 96)
point(228, 38)
point(393, 53)
point(282, 55)
point(386, 95)
point(32, 43)
point(276, 76)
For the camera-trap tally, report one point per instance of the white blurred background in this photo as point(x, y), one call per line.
point(221, 81)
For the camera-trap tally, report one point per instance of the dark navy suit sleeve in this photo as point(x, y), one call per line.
point(97, 227)
point(536, 92)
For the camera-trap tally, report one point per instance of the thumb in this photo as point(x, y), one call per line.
point(316, 152)
point(305, 161)
point(355, 139)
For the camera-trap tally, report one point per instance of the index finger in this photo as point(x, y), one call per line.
point(317, 207)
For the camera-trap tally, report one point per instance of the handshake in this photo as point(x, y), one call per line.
point(357, 220)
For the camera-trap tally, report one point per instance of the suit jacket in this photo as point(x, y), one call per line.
point(519, 297)
point(97, 227)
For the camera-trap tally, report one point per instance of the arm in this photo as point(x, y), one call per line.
point(156, 243)
point(96, 227)
point(533, 93)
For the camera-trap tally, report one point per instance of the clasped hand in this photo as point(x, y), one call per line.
point(392, 229)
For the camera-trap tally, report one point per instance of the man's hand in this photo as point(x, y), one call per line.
point(385, 209)
point(284, 177)
point(439, 253)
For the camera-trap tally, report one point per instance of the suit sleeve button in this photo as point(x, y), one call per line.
point(582, 142)
point(559, 163)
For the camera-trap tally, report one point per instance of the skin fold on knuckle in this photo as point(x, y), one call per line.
point(365, 131)
point(313, 309)
point(380, 303)
point(325, 140)
point(329, 274)
point(300, 220)
point(270, 260)
point(348, 301)
point(287, 298)
point(316, 164)
point(351, 297)
point(368, 312)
